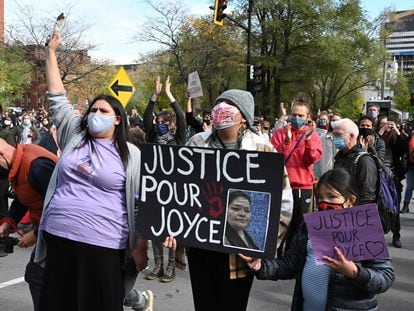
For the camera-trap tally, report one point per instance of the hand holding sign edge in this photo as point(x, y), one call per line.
point(170, 242)
point(342, 265)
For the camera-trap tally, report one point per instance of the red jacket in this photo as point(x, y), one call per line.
point(19, 178)
point(300, 164)
point(411, 149)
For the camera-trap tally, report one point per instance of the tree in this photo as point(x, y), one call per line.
point(193, 44)
point(15, 75)
point(349, 57)
point(322, 47)
point(32, 31)
point(402, 94)
point(286, 33)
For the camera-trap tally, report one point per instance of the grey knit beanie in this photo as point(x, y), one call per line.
point(243, 100)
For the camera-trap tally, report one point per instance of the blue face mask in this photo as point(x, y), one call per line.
point(98, 124)
point(162, 129)
point(297, 122)
point(27, 122)
point(334, 123)
point(339, 143)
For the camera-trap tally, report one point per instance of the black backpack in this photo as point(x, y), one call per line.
point(387, 195)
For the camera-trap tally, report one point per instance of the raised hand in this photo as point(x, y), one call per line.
point(370, 141)
point(288, 132)
point(168, 89)
point(53, 42)
point(311, 128)
point(342, 265)
point(158, 86)
point(282, 109)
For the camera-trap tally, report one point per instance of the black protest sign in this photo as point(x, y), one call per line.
point(216, 199)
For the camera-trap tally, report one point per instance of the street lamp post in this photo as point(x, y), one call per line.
point(248, 31)
point(248, 60)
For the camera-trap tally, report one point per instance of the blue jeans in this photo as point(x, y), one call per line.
point(409, 180)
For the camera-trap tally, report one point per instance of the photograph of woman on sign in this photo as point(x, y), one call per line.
point(242, 229)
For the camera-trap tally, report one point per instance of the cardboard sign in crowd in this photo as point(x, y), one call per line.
point(185, 191)
point(356, 231)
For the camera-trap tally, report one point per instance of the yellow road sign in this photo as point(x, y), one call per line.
point(121, 87)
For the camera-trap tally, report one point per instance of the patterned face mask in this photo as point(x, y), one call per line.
point(223, 115)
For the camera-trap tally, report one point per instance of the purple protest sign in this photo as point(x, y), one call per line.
point(356, 231)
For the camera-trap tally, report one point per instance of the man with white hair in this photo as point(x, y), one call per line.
point(345, 136)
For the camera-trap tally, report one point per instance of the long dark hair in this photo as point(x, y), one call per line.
point(339, 180)
point(121, 130)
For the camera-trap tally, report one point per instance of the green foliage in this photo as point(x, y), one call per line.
point(15, 74)
point(324, 48)
point(402, 94)
point(192, 44)
point(350, 106)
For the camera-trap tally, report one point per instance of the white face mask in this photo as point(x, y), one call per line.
point(98, 124)
point(7, 122)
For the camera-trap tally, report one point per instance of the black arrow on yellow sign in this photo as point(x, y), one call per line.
point(120, 88)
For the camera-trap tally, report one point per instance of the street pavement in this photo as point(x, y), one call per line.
point(265, 295)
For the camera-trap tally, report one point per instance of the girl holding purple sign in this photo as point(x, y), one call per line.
point(341, 283)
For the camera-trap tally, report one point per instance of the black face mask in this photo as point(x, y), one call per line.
point(364, 132)
point(207, 121)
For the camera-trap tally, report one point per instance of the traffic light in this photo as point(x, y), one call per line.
point(251, 72)
point(219, 14)
point(257, 80)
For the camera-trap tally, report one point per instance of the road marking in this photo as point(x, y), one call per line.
point(12, 282)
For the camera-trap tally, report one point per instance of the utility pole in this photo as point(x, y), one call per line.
point(384, 79)
point(249, 84)
point(248, 60)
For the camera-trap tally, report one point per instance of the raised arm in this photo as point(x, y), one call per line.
point(148, 118)
point(190, 118)
point(179, 115)
point(53, 79)
point(61, 111)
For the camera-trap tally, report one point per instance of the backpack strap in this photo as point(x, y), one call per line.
point(356, 159)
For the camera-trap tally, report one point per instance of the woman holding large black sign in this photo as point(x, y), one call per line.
point(340, 283)
point(222, 281)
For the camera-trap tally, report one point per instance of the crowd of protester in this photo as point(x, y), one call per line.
point(320, 153)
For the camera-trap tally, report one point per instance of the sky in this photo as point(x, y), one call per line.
point(115, 23)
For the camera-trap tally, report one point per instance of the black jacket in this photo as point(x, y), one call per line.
point(366, 173)
point(375, 277)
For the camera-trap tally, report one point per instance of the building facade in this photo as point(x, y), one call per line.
point(400, 43)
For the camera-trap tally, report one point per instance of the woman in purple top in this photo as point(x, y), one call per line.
point(87, 235)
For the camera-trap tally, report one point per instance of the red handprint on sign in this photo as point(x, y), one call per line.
point(213, 195)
